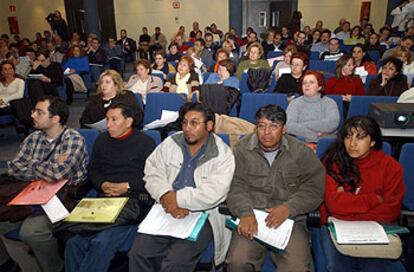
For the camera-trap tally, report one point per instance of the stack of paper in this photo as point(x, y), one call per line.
point(158, 222)
point(277, 238)
point(358, 232)
point(97, 210)
point(166, 118)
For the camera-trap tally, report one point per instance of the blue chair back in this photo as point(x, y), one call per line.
point(327, 76)
point(244, 88)
point(272, 85)
point(314, 55)
point(225, 138)
point(205, 76)
point(346, 48)
point(386, 148)
point(6, 119)
point(90, 136)
point(155, 135)
point(140, 102)
point(374, 55)
point(321, 65)
point(274, 54)
point(62, 92)
point(322, 146)
point(368, 81)
point(156, 102)
point(407, 162)
point(360, 104)
point(340, 104)
point(251, 102)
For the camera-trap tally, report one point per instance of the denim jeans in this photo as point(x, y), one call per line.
point(95, 252)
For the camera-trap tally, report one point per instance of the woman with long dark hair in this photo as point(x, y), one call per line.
point(391, 81)
point(362, 183)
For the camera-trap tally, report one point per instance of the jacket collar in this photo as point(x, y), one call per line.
point(211, 147)
point(253, 143)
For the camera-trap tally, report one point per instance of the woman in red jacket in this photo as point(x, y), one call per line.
point(362, 183)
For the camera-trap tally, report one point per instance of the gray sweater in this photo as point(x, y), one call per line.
point(308, 116)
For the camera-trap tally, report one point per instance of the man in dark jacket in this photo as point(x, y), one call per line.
point(282, 176)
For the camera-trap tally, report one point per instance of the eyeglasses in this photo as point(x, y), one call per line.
point(272, 126)
point(192, 123)
point(39, 112)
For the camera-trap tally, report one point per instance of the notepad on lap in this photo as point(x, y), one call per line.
point(38, 192)
point(97, 210)
point(158, 222)
point(358, 232)
point(276, 238)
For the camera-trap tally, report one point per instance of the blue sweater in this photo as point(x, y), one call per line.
point(230, 82)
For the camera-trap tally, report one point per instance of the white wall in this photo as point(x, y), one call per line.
point(133, 15)
point(30, 15)
point(330, 11)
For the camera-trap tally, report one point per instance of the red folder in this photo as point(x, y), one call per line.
point(38, 192)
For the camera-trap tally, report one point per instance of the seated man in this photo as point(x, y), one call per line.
point(54, 152)
point(334, 52)
point(282, 176)
point(116, 169)
point(189, 171)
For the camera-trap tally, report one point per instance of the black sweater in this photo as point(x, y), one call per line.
point(53, 71)
point(288, 84)
point(120, 160)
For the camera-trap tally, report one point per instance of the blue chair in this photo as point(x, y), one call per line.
point(340, 104)
point(6, 119)
point(368, 81)
point(360, 104)
point(90, 136)
point(327, 76)
point(272, 85)
point(407, 162)
point(324, 66)
point(156, 102)
point(244, 88)
point(323, 145)
point(155, 135)
point(374, 55)
point(205, 76)
point(225, 138)
point(314, 55)
point(140, 102)
point(62, 91)
point(274, 54)
point(386, 148)
point(251, 102)
point(346, 48)
point(274, 64)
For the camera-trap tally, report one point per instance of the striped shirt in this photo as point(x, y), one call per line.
point(30, 164)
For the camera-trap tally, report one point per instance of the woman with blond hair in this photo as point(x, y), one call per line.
point(110, 90)
point(254, 59)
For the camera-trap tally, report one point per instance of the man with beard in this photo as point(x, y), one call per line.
point(189, 171)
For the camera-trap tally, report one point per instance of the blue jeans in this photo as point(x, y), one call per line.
point(338, 262)
point(95, 252)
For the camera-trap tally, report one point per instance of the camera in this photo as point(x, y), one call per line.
point(50, 17)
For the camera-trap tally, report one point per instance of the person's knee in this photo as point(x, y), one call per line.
point(238, 260)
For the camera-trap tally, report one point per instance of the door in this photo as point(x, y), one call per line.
point(280, 13)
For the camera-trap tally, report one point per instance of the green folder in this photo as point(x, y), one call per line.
point(389, 229)
point(198, 227)
point(97, 210)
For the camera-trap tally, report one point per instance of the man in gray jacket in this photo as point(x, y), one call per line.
point(282, 176)
point(189, 171)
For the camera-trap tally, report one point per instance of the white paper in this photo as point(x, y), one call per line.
point(35, 75)
point(67, 71)
point(359, 232)
point(55, 210)
point(100, 125)
point(362, 73)
point(158, 222)
point(286, 70)
point(279, 237)
point(166, 118)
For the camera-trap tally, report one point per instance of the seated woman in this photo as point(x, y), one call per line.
point(373, 43)
point(391, 81)
point(185, 80)
point(404, 55)
point(345, 83)
point(254, 55)
point(224, 75)
point(161, 64)
point(221, 54)
point(231, 49)
point(356, 36)
point(362, 183)
point(362, 59)
point(110, 90)
point(290, 83)
point(312, 115)
point(76, 64)
point(173, 55)
point(143, 82)
point(11, 92)
point(49, 75)
point(285, 63)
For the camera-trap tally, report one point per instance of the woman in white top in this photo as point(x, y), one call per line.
point(11, 87)
point(285, 63)
point(143, 82)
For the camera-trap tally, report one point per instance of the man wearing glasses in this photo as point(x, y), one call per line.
point(280, 175)
point(53, 152)
point(189, 171)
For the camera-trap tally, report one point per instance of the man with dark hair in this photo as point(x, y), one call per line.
point(195, 29)
point(334, 52)
point(189, 171)
point(210, 44)
point(116, 170)
point(53, 152)
point(345, 31)
point(129, 46)
point(280, 175)
point(300, 43)
point(97, 58)
point(323, 45)
point(202, 53)
point(406, 42)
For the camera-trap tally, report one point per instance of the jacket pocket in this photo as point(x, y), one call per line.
point(291, 182)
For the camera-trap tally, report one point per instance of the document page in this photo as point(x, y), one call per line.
point(158, 222)
point(166, 118)
point(277, 238)
point(359, 232)
point(55, 209)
